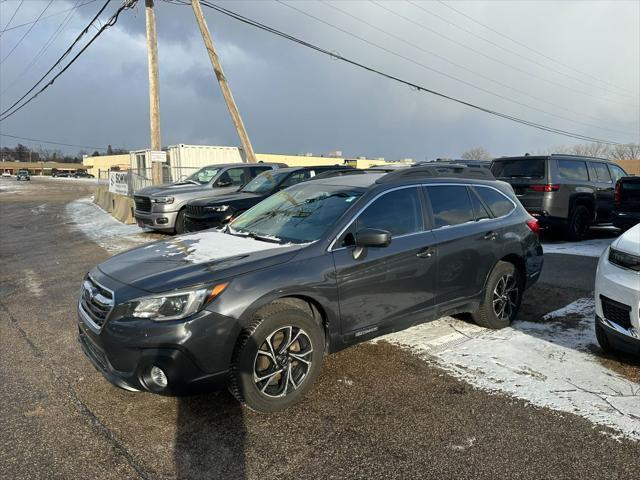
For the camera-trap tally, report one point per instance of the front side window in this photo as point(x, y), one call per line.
point(296, 178)
point(602, 172)
point(497, 202)
point(301, 214)
point(398, 212)
point(573, 170)
point(202, 176)
point(232, 177)
point(451, 205)
point(255, 171)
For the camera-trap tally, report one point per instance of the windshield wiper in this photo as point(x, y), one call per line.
point(270, 238)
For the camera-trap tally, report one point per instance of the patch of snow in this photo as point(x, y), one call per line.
point(84, 216)
point(39, 209)
point(549, 364)
point(586, 248)
point(207, 246)
point(32, 282)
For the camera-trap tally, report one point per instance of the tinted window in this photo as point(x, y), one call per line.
point(479, 209)
point(295, 178)
point(398, 212)
point(497, 203)
point(521, 168)
point(617, 172)
point(451, 205)
point(265, 182)
point(255, 171)
point(572, 170)
point(602, 172)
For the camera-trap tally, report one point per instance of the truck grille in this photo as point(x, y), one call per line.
point(142, 203)
point(96, 302)
point(616, 312)
point(195, 210)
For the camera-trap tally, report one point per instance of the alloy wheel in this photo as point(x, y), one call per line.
point(282, 362)
point(505, 297)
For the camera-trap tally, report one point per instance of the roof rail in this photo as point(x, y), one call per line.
point(337, 173)
point(449, 170)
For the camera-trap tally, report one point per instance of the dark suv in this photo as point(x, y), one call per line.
point(210, 212)
point(309, 271)
point(564, 192)
point(626, 210)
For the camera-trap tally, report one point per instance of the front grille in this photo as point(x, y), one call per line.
point(616, 312)
point(197, 210)
point(624, 259)
point(96, 301)
point(142, 203)
point(93, 351)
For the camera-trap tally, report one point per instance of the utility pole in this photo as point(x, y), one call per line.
point(222, 80)
point(154, 89)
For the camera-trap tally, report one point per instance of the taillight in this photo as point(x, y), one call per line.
point(534, 225)
point(544, 188)
point(617, 194)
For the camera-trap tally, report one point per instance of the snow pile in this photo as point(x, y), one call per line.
point(84, 216)
point(586, 248)
point(548, 364)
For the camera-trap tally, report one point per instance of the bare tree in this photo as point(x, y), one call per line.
point(477, 153)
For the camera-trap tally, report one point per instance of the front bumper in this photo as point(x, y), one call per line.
point(194, 224)
point(165, 221)
point(620, 338)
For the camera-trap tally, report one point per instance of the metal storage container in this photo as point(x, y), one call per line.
point(185, 159)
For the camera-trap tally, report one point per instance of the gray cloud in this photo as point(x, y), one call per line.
point(294, 100)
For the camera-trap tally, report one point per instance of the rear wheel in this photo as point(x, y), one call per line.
point(502, 297)
point(579, 223)
point(277, 358)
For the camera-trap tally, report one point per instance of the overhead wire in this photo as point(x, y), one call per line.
point(26, 33)
point(15, 12)
point(48, 16)
point(50, 142)
point(415, 86)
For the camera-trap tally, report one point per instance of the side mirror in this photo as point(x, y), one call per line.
point(372, 237)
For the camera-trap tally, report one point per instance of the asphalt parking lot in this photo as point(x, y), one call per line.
point(446, 400)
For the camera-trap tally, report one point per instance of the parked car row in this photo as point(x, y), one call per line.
point(321, 265)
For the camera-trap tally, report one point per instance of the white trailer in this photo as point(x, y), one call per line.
point(183, 160)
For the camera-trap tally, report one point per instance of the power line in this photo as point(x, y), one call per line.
point(50, 142)
point(48, 16)
point(27, 32)
point(12, 17)
point(524, 45)
point(451, 77)
point(44, 48)
point(389, 76)
point(513, 52)
point(60, 59)
point(445, 59)
point(493, 59)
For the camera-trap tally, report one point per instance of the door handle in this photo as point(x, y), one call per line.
point(490, 236)
point(426, 252)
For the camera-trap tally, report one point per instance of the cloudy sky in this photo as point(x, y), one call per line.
point(570, 65)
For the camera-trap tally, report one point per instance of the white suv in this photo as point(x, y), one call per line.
point(618, 294)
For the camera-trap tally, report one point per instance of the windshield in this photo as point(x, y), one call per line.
point(265, 182)
point(202, 176)
point(298, 214)
point(521, 168)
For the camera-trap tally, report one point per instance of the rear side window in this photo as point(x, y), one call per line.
point(295, 178)
point(617, 172)
point(478, 208)
point(602, 172)
point(451, 205)
point(497, 202)
point(573, 170)
point(521, 168)
point(398, 212)
point(255, 171)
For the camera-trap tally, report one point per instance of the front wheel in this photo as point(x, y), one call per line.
point(502, 297)
point(180, 228)
point(277, 358)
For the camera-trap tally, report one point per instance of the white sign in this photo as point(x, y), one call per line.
point(118, 182)
point(158, 156)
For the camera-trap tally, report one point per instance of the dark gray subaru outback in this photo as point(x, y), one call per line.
point(309, 271)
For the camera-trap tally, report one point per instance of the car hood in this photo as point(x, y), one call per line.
point(170, 189)
point(229, 198)
point(629, 241)
point(193, 259)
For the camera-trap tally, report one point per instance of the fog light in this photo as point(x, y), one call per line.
point(158, 377)
point(162, 220)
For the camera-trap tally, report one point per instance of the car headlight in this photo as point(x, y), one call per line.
point(174, 305)
point(162, 199)
point(217, 208)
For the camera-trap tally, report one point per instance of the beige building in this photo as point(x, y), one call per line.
point(298, 160)
point(632, 167)
point(39, 168)
point(104, 163)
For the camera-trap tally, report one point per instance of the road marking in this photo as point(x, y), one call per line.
point(547, 363)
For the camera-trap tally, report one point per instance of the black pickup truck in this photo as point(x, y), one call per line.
point(626, 209)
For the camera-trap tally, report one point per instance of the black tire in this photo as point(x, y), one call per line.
point(179, 228)
point(248, 365)
point(499, 307)
point(602, 338)
point(579, 223)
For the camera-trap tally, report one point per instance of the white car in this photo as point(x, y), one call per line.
point(618, 294)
